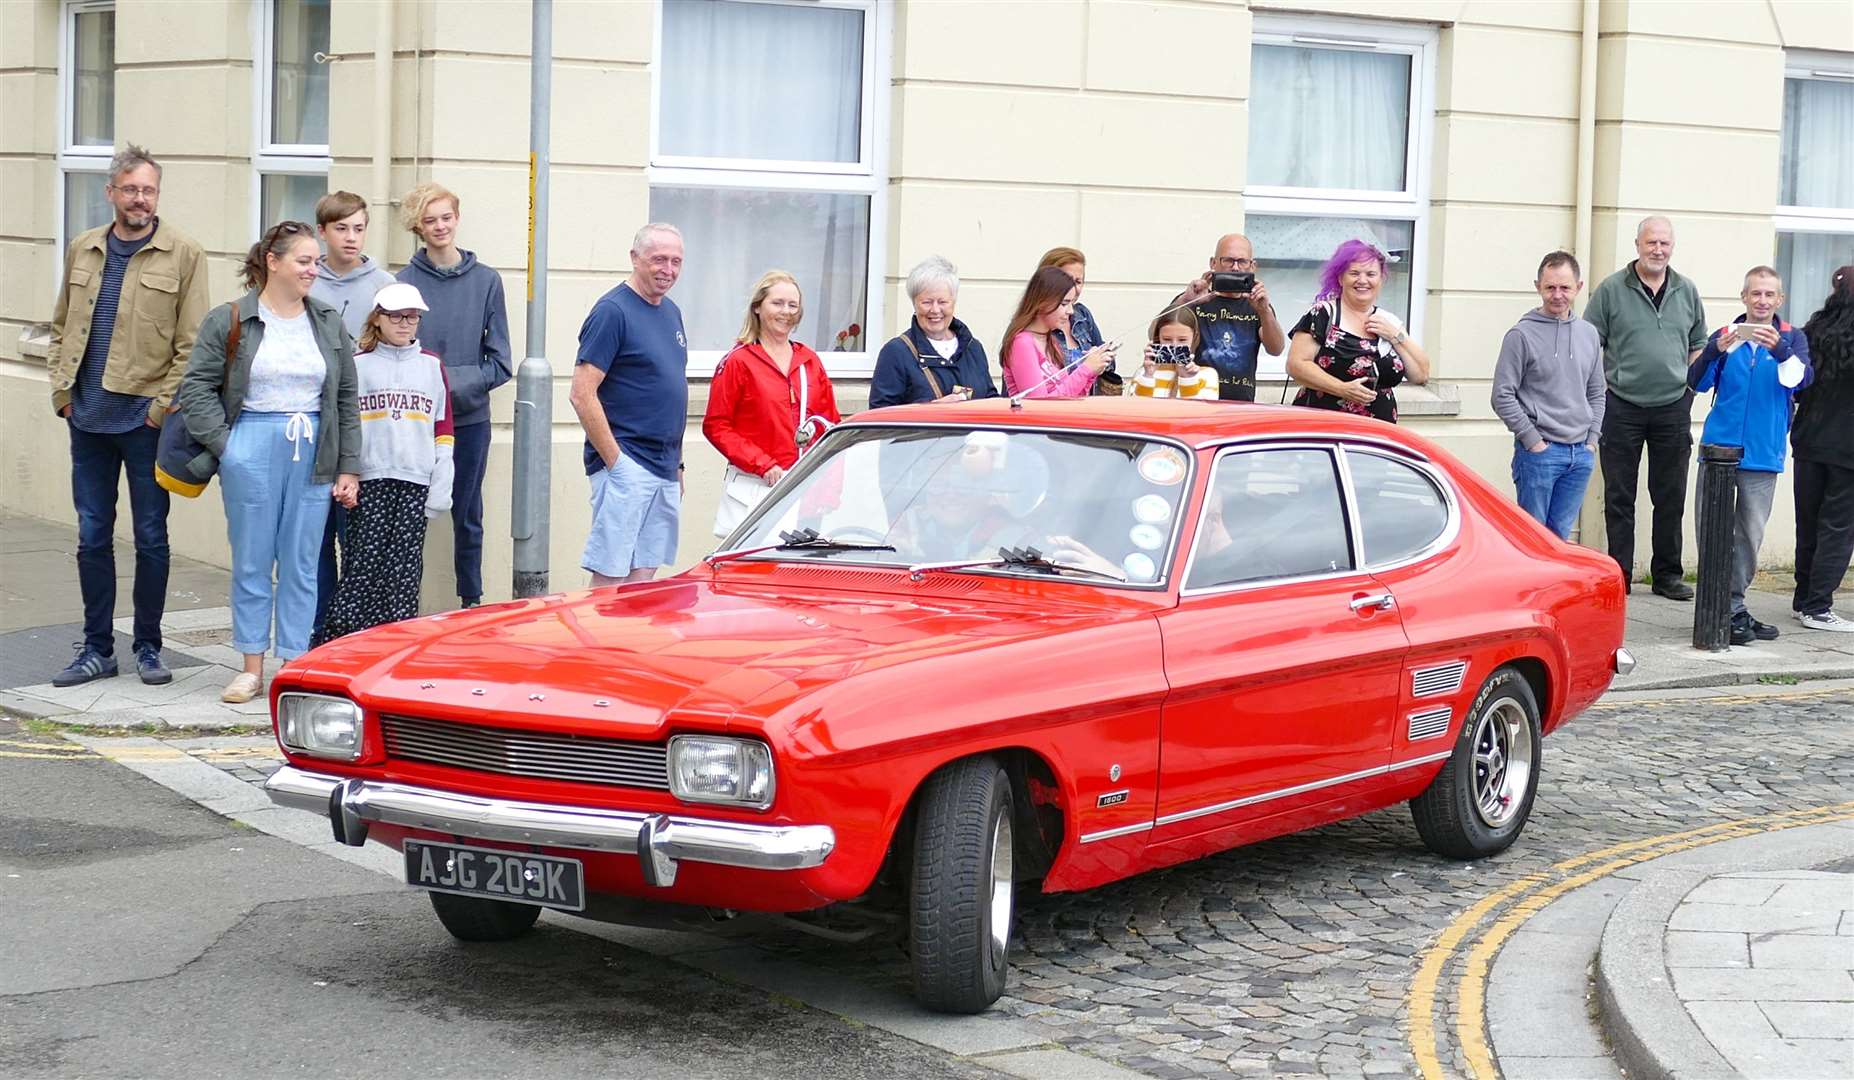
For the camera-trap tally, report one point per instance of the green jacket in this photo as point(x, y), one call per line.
point(163, 299)
point(212, 395)
point(1646, 350)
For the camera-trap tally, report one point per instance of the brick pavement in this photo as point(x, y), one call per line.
point(1296, 956)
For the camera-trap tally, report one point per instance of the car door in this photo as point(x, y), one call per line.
point(1283, 655)
point(1408, 524)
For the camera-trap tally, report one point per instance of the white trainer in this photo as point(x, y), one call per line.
point(1827, 620)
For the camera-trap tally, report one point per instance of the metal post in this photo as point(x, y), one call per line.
point(534, 382)
point(1716, 506)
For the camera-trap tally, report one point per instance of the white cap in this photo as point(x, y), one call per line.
point(399, 296)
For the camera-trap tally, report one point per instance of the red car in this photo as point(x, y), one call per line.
point(968, 647)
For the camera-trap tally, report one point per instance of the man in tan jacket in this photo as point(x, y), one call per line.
point(131, 300)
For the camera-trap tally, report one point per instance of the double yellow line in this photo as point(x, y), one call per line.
point(42, 751)
point(1525, 898)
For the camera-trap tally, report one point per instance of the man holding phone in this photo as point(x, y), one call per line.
point(1753, 366)
point(1235, 321)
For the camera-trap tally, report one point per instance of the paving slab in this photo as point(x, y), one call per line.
point(1812, 1019)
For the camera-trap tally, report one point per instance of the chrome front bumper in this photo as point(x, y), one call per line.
point(659, 840)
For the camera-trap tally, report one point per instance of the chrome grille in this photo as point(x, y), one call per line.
point(1430, 722)
point(1444, 679)
point(547, 756)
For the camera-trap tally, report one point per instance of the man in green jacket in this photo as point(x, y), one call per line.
point(1652, 324)
point(132, 297)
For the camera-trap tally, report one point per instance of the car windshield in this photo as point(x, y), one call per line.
point(1096, 507)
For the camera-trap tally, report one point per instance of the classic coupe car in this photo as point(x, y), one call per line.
point(968, 648)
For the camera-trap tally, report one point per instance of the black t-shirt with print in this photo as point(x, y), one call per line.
point(1229, 335)
point(1347, 357)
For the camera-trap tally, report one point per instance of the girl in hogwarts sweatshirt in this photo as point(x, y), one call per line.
point(405, 468)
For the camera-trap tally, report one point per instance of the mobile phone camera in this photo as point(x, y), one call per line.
point(1239, 282)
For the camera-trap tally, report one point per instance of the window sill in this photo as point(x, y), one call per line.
point(35, 342)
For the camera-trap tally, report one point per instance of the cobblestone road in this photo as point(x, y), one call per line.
point(1297, 955)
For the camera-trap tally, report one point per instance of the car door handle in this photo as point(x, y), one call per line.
point(1378, 602)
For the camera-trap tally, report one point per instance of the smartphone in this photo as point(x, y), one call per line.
point(1232, 281)
point(1171, 354)
point(1743, 330)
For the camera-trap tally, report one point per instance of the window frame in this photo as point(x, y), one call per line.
point(867, 177)
point(270, 158)
point(72, 158)
point(1818, 220)
point(1451, 506)
point(1420, 43)
point(1349, 522)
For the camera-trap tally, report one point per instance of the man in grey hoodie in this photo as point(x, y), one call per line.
point(345, 279)
point(468, 327)
point(1548, 390)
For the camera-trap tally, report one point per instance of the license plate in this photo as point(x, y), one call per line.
point(497, 874)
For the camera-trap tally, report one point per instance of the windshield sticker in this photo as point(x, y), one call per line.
point(1139, 567)
point(1152, 509)
point(1162, 465)
point(1146, 537)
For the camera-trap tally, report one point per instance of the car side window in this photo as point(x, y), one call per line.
point(1400, 510)
point(1271, 514)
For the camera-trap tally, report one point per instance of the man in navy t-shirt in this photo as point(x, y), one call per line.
point(631, 391)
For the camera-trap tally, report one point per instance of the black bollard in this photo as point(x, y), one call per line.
point(1716, 506)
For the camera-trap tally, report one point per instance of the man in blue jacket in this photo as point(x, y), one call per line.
point(1753, 367)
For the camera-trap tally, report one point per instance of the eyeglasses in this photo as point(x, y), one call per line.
point(1225, 262)
point(401, 318)
point(134, 192)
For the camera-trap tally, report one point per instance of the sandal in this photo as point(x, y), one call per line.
point(243, 687)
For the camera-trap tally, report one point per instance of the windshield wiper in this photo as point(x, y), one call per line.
point(1025, 557)
point(797, 540)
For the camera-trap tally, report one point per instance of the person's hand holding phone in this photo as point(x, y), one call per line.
point(1359, 390)
point(1099, 358)
point(1148, 362)
point(1760, 334)
point(1258, 295)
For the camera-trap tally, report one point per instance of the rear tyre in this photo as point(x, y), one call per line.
point(472, 918)
point(1479, 802)
point(960, 900)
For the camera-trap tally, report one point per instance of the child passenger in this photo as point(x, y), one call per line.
point(405, 468)
point(1171, 369)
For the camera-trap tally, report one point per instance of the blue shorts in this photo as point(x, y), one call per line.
point(634, 520)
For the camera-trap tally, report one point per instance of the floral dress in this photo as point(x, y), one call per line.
point(1348, 357)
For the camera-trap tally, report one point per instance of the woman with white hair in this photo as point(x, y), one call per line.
point(936, 358)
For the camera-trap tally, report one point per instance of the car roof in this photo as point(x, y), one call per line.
point(1196, 423)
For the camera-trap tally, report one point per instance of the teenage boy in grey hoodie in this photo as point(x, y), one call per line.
point(1548, 390)
point(345, 279)
point(468, 327)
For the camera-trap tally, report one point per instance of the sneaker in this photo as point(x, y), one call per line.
point(1742, 634)
point(243, 687)
point(1827, 620)
point(148, 665)
point(1674, 590)
point(1763, 631)
point(90, 664)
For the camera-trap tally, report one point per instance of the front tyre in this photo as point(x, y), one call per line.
point(1479, 802)
point(472, 918)
point(960, 902)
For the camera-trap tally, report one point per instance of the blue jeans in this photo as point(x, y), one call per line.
point(1550, 483)
point(274, 515)
point(97, 461)
point(326, 574)
point(470, 459)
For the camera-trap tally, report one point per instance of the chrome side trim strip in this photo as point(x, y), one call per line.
point(659, 837)
point(1266, 796)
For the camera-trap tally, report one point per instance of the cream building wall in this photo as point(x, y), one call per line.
point(1008, 126)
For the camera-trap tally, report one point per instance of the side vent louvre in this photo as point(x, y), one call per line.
point(1442, 679)
point(1430, 723)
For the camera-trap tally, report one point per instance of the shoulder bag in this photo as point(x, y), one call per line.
point(183, 465)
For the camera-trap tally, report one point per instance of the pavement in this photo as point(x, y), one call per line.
point(1718, 951)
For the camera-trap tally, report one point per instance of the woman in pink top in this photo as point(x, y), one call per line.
point(1032, 357)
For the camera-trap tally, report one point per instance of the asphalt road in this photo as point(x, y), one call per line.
point(141, 935)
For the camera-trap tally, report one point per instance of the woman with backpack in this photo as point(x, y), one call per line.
point(280, 412)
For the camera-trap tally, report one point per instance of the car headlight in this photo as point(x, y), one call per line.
point(321, 725)
point(714, 769)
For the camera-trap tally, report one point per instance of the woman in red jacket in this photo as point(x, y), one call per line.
point(769, 397)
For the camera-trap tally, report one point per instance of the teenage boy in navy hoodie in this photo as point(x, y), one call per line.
point(468, 327)
point(1754, 367)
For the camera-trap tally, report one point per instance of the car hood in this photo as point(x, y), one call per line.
point(619, 662)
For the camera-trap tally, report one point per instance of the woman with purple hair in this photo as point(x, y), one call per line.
point(1346, 352)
